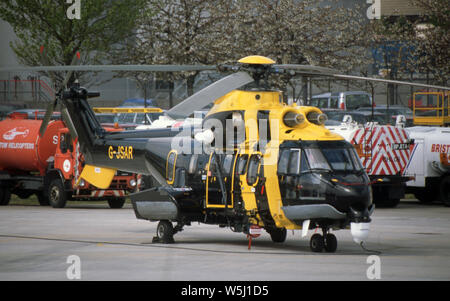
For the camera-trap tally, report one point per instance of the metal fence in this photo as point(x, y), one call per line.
point(33, 89)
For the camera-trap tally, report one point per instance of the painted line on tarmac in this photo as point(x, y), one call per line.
point(154, 246)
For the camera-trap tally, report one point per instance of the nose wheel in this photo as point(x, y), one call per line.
point(327, 242)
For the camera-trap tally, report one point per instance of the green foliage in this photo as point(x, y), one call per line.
point(37, 23)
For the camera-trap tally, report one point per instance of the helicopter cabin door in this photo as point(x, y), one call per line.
point(248, 168)
point(219, 187)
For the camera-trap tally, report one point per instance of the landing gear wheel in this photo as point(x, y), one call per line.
point(57, 196)
point(164, 232)
point(278, 235)
point(5, 196)
point(316, 243)
point(330, 243)
point(444, 191)
point(116, 203)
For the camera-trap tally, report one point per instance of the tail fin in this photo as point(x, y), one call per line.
point(80, 117)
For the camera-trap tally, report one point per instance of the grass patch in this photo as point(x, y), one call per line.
point(33, 201)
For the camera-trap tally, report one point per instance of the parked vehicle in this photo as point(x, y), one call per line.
point(50, 166)
point(390, 113)
point(348, 100)
point(360, 117)
point(429, 165)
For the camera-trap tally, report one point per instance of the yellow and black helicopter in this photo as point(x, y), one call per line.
point(255, 162)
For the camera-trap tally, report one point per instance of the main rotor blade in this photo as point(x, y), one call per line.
point(47, 117)
point(209, 94)
point(69, 123)
point(148, 68)
point(389, 81)
point(306, 69)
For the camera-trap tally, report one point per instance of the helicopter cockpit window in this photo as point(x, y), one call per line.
point(339, 159)
point(242, 164)
point(316, 159)
point(227, 163)
point(342, 159)
point(283, 161)
point(294, 162)
point(252, 173)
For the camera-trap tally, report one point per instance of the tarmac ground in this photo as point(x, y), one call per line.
point(410, 242)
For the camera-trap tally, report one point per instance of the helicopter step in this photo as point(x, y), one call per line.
point(155, 204)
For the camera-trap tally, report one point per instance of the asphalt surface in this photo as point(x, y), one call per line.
point(412, 242)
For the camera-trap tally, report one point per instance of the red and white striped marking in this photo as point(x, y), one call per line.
point(378, 143)
point(104, 193)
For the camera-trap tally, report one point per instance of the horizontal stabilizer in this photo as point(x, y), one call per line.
point(100, 177)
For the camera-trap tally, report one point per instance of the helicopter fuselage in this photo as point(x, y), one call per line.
point(258, 170)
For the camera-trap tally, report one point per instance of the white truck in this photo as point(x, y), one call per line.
point(429, 164)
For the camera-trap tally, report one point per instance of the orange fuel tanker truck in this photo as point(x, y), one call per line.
point(50, 166)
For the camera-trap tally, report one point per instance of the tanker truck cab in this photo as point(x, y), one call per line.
point(64, 179)
point(64, 158)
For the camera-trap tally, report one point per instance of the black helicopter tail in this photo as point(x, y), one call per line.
point(81, 119)
point(106, 152)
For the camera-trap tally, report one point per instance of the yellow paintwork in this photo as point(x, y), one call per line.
point(251, 102)
point(100, 177)
point(256, 60)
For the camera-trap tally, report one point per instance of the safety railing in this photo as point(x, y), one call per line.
point(431, 108)
point(25, 90)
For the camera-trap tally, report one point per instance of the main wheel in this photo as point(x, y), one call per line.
point(444, 191)
point(316, 243)
point(164, 232)
point(330, 243)
point(57, 196)
point(278, 235)
point(5, 196)
point(116, 203)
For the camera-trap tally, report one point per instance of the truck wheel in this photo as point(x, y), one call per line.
point(278, 235)
point(116, 203)
point(57, 197)
point(42, 199)
point(391, 203)
point(5, 196)
point(426, 195)
point(444, 191)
